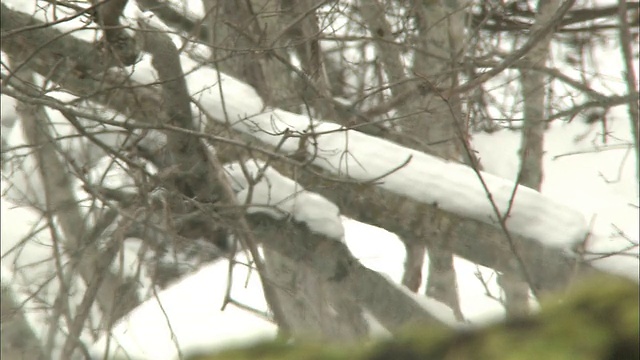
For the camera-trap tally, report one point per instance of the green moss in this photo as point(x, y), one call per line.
point(597, 320)
point(277, 351)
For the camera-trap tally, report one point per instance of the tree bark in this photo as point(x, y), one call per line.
point(427, 122)
point(631, 79)
point(18, 340)
point(534, 87)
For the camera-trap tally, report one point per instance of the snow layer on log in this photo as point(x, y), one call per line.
point(269, 192)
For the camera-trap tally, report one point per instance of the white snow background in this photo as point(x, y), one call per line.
point(584, 193)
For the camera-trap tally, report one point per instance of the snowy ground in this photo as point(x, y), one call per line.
point(194, 307)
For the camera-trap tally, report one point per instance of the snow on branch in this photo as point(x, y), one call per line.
point(350, 154)
point(267, 191)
